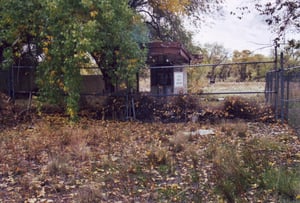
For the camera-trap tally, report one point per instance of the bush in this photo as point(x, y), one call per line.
point(237, 107)
point(176, 108)
point(147, 108)
point(240, 108)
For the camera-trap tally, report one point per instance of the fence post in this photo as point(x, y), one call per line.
point(282, 88)
point(276, 81)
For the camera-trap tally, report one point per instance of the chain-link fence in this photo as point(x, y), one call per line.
point(283, 93)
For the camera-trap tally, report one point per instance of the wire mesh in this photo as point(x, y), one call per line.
point(284, 95)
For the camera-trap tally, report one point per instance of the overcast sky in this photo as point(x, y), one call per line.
point(250, 32)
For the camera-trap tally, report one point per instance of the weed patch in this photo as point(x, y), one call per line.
point(110, 161)
point(58, 165)
point(284, 182)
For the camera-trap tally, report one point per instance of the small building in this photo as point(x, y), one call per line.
point(167, 73)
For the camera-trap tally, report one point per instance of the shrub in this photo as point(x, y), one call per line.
point(238, 107)
point(176, 108)
point(115, 107)
point(147, 108)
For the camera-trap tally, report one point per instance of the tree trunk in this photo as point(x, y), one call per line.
point(109, 86)
point(243, 72)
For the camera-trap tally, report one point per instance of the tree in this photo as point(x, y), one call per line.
point(165, 17)
point(242, 56)
point(120, 42)
point(250, 71)
point(292, 53)
point(215, 54)
point(19, 26)
point(282, 15)
point(63, 32)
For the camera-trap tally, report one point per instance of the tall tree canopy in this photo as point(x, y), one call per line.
point(61, 34)
point(165, 17)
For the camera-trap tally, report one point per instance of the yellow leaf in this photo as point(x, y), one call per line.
point(45, 50)
point(52, 73)
point(93, 14)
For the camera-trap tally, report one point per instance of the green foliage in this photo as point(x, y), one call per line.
point(64, 47)
point(252, 163)
point(232, 177)
point(19, 25)
point(250, 71)
point(283, 181)
point(165, 18)
point(197, 79)
point(63, 33)
point(118, 43)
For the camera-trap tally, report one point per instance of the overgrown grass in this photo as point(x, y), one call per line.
point(238, 166)
point(283, 181)
point(108, 161)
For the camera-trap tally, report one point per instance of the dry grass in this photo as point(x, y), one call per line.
point(200, 86)
point(234, 128)
point(110, 161)
point(235, 87)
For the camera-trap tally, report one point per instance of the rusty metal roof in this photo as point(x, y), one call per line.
point(167, 53)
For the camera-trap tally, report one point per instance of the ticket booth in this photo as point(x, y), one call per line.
point(167, 72)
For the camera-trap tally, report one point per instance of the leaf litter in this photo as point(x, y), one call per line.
point(111, 161)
